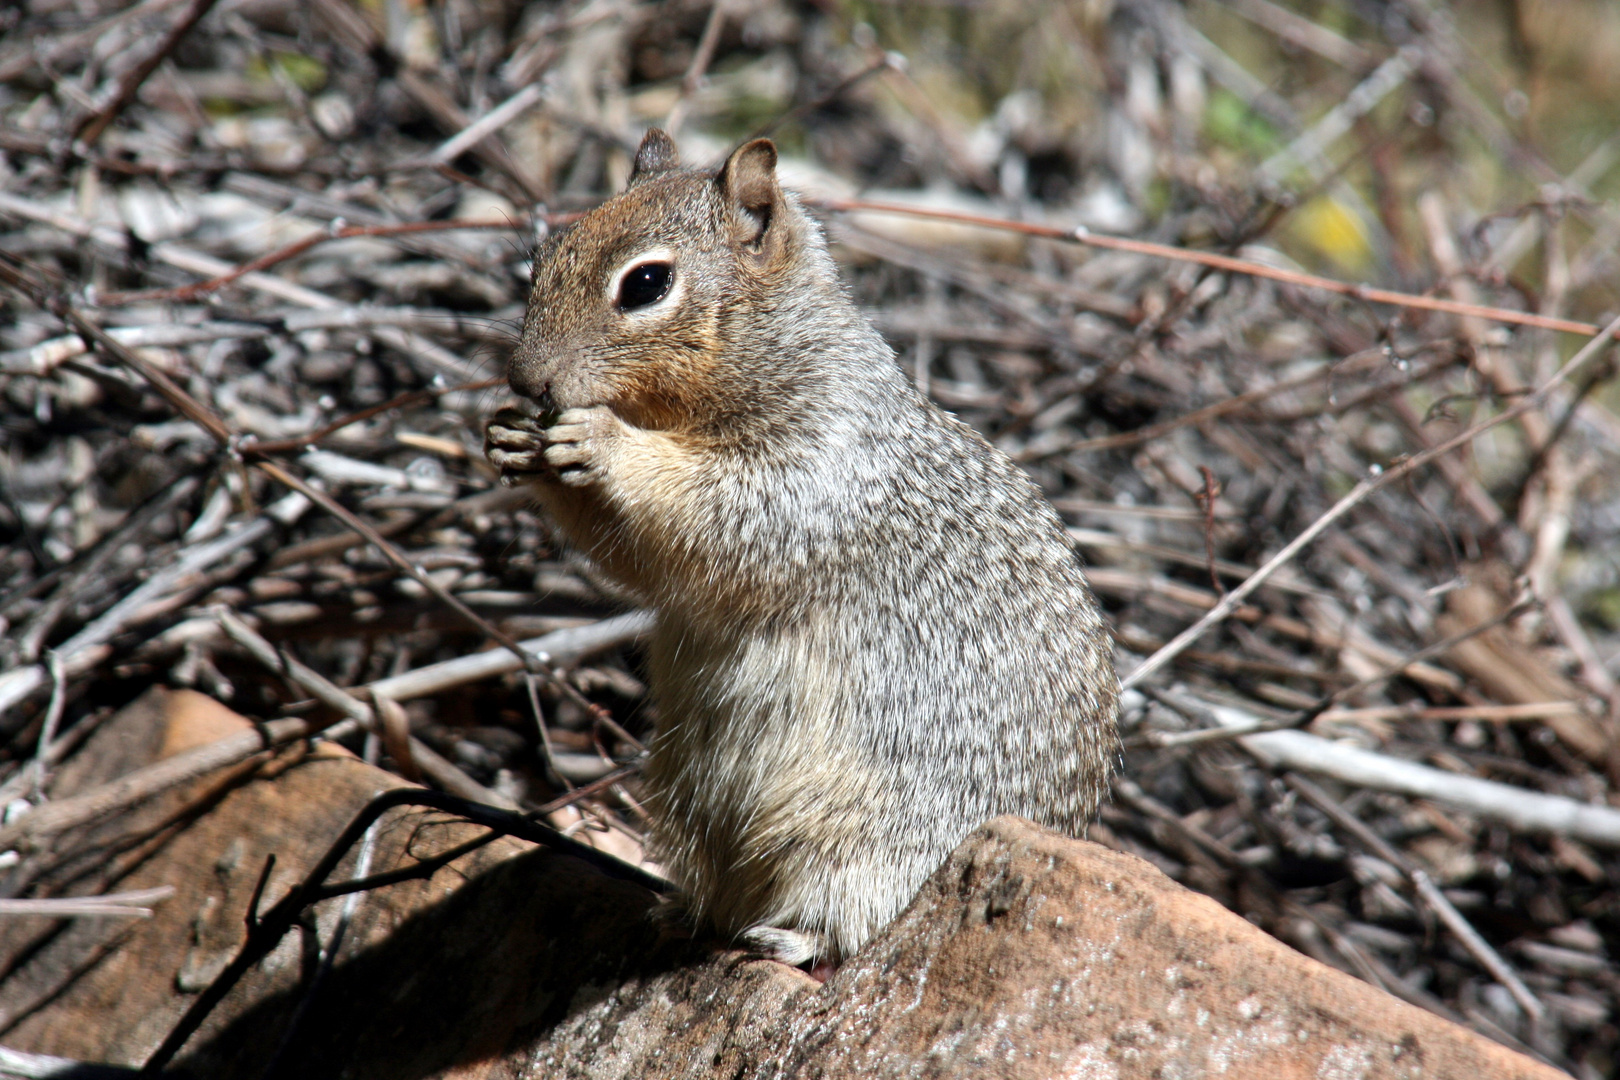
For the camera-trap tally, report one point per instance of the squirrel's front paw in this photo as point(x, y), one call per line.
point(578, 444)
point(514, 442)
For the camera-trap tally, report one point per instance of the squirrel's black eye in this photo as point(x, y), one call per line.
point(645, 284)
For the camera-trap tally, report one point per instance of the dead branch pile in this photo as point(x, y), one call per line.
point(263, 261)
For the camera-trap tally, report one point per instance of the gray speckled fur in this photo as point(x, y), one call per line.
point(873, 632)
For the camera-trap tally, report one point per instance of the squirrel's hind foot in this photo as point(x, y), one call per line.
point(809, 951)
point(794, 948)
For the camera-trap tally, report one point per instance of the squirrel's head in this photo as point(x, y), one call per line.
point(635, 305)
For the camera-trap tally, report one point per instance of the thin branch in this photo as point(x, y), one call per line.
point(1426, 891)
point(297, 443)
point(81, 652)
point(186, 293)
point(692, 81)
point(136, 787)
point(91, 128)
point(205, 418)
point(442, 771)
point(885, 62)
point(196, 262)
point(1515, 807)
point(1230, 602)
point(274, 924)
point(1082, 235)
point(107, 905)
point(488, 124)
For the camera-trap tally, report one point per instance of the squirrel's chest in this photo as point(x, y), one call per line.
point(717, 685)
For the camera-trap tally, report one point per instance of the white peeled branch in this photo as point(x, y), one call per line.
point(1515, 807)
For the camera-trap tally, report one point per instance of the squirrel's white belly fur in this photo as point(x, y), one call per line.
point(766, 808)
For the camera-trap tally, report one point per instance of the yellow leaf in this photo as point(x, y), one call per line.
point(1334, 232)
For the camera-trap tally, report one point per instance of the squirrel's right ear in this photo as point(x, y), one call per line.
point(656, 154)
point(748, 182)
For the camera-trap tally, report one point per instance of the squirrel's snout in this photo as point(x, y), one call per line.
point(526, 381)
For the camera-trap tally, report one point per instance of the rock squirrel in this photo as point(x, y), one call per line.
point(872, 633)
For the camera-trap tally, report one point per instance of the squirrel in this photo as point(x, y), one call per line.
point(872, 633)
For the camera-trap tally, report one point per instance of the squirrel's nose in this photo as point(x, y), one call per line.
point(527, 382)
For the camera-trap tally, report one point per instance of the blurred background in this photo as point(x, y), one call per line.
point(316, 219)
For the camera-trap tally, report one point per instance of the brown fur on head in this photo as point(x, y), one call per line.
point(728, 241)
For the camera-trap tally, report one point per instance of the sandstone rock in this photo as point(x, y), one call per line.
point(1026, 955)
point(1032, 955)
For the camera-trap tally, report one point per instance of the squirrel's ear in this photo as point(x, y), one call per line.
point(656, 154)
point(748, 182)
